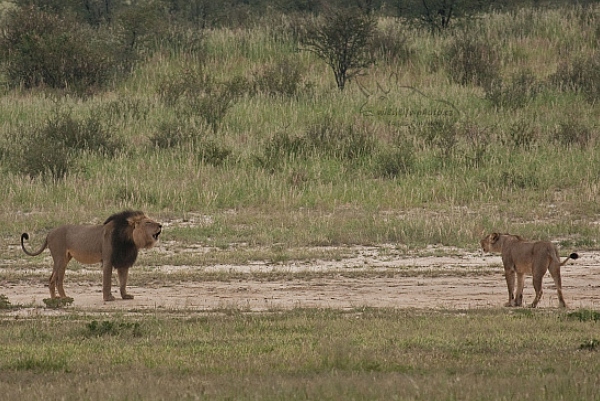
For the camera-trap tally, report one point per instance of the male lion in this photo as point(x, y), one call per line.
point(114, 243)
point(526, 257)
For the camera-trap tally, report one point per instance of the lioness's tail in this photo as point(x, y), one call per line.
point(25, 237)
point(571, 256)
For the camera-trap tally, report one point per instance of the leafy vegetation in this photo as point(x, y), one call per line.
point(485, 122)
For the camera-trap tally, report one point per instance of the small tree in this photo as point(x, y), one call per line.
point(341, 39)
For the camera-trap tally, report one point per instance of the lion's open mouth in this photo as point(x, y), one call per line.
point(155, 236)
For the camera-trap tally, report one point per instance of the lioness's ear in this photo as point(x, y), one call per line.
point(494, 237)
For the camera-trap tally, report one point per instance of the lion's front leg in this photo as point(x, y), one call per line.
point(107, 282)
point(123, 272)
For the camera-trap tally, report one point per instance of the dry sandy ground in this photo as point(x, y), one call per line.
point(450, 282)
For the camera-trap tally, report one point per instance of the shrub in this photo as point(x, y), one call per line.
point(4, 302)
point(325, 139)
point(51, 150)
point(472, 61)
point(329, 138)
point(391, 45)
point(341, 40)
point(522, 89)
point(521, 134)
point(580, 74)
point(442, 136)
point(282, 78)
point(169, 135)
point(573, 133)
point(212, 104)
point(210, 152)
point(172, 88)
point(280, 147)
point(585, 315)
point(43, 49)
point(113, 328)
point(394, 162)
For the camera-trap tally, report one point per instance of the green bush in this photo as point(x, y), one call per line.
point(43, 49)
point(522, 89)
point(51, 150)
point(170, 134)
point(113, 328)
point(325, 139)
point(472, 61)
point(441, 135)
point(4, 302)
point(581, 74)
point(391, 45)
point(395, 162)
point(283, 78)
point(210, 152)
point(211, 105)
point(330, 138)
point(573, 133)
point(585, 315)
point(521, 134)
point(282, 146)
point(341, 39)
point(171, 89)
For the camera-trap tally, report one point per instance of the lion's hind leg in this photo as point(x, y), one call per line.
point(57, 277)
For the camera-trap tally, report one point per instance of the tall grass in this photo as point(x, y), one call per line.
point(449, 159)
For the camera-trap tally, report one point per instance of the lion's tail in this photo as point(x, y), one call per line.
point(25, 237)
point(571, 256)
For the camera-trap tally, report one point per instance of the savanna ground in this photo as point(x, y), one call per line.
point(363, 322)
point(318, 243)
point(358, 277)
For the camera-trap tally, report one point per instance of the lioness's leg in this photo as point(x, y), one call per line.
point(509, 274)
point(520, 285)
point(537, 285)
point(107, 282)
point(555, 272)
point(123, 283)
point(60, 278)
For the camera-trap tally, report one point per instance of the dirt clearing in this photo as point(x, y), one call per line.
point(363, 280)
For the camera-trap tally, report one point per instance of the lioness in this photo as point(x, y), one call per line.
point(114, 243)
point(526, 257)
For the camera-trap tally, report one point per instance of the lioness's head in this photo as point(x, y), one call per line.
point(145, 230)
point(493, 242)
point(490, 243)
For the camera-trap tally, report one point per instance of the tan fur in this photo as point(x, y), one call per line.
point(114, 243)
point(521, 257)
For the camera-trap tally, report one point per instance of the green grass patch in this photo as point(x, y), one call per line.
point(302, 354)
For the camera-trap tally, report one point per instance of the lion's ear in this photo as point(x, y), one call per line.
point(494, 237)
point(134, 220)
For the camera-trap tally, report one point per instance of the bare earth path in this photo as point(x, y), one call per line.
point(450, 282)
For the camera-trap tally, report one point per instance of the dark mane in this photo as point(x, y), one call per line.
point(124, 251)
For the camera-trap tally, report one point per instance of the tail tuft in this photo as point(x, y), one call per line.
point(573, 256)
point(25, 237)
